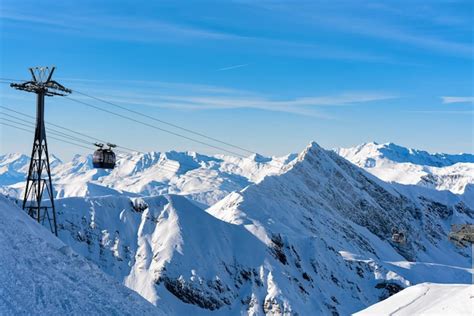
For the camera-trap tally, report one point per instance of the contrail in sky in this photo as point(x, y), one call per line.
point(232, 67)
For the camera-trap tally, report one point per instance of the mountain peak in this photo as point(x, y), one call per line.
point(312, 149)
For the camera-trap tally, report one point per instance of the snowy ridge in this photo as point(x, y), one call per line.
point(206, 179)
point(335, 206)
point(394, 163)
point(41, 275)
point(401, 154)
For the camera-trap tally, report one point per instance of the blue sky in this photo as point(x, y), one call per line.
point(266, 75)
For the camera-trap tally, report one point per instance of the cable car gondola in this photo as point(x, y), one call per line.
point(398, 236)
point(104, 158)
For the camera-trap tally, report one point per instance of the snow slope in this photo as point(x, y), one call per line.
point(323, 206)
point(173, 253)
point(41, 275)
point(427, 299)
point(309, 236)
point(394, 163)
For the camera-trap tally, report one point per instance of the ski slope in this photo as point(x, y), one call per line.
point(41, 275)
point(426, 299)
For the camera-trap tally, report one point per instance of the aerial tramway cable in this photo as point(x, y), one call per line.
point(164, 167)
point(67, 129)
point(271, 164)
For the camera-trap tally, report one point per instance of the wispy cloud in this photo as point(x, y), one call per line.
point(232, 67)
point(442, 112)
point(146, 30)
point(449, 100)
point(201, 97)
point(378, 22)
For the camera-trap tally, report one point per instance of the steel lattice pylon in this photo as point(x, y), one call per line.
point(39, 173)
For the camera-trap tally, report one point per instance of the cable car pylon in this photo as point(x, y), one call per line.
point(39, 172)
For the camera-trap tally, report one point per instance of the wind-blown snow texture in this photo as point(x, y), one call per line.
point(427, 299)
point(309, 236)
point(40, 275)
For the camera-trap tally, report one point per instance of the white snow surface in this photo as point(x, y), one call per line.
point(40, 275)
point(426, 299)
point(394, 163)
point(227, 236)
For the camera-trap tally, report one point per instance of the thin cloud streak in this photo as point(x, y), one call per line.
point(232, 67)
point(368, 27)
point(120, 28)
point(315, 106)
point(442, 112)
point(451, 99)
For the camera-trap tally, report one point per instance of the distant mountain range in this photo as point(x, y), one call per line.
point(300, 234)
point(207, 179)
point(394, 163)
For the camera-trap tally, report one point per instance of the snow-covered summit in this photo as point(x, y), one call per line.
point(400, 154)
point(394, 163)
point(322, 208)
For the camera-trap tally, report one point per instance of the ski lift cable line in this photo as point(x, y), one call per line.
point(48, 129)
point(55, 138)
point(164, 122)
point(53, 132)
point(154, 127)
point(68, 129)
point(164, 167)
point(157, 120)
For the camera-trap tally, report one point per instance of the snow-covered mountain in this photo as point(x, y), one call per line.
point(427, 299)
point(394, 163)
point(331, 220)
point(40, 275)
point(312, 235)
point(205, 179)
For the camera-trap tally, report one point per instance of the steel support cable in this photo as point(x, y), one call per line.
point(60, 134)
point(31, 125)
point(158, 128)
point(164, 167)
point(164, 130)
point(153, 126)
point(67, 129)
point(160, 121)
point(55, 138)
point(48, 129)
point(165, 122)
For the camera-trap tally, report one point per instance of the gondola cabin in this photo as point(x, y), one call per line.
point(398, 236)
point(104, 158)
